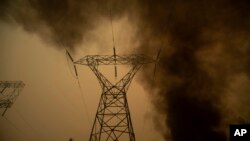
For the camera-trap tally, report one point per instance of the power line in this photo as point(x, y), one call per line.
point(79, 85)
point(111, 20)
point(26, 122)
point(83, 101)
point(18, 129)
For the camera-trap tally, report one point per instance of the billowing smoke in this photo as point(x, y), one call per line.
point(60, 22)
point(203, 78)
point(203, 82)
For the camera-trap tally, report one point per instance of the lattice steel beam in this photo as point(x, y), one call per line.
point(9, 91)
point(114, 60)
point(112, 120)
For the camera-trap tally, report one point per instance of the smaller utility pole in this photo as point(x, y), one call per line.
point(9, 91)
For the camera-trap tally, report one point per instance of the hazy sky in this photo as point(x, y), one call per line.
point(50, 107)
point(201, 85)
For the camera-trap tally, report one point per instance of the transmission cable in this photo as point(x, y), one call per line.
point(18, 129)
point(79, 85)
point(25, 121)
point(83, 101)
point(111, 20)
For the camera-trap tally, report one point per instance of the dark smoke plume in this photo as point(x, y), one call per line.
point(203, 80)
point(60, 22)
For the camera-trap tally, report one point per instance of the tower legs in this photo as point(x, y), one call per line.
point(112, 121)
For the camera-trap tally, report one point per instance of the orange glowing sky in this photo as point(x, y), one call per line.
point(51, 107)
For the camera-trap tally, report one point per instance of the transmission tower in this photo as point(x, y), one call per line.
point(112, 120)
point(9, 91)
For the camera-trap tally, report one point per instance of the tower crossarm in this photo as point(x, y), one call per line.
point(9, 91)
point(11, 84)
point(114, 60)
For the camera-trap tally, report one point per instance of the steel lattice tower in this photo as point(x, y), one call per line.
point(9, 91)
point(113, 121)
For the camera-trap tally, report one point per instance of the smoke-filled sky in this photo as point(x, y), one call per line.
point(203, 76)
point(51, 105)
